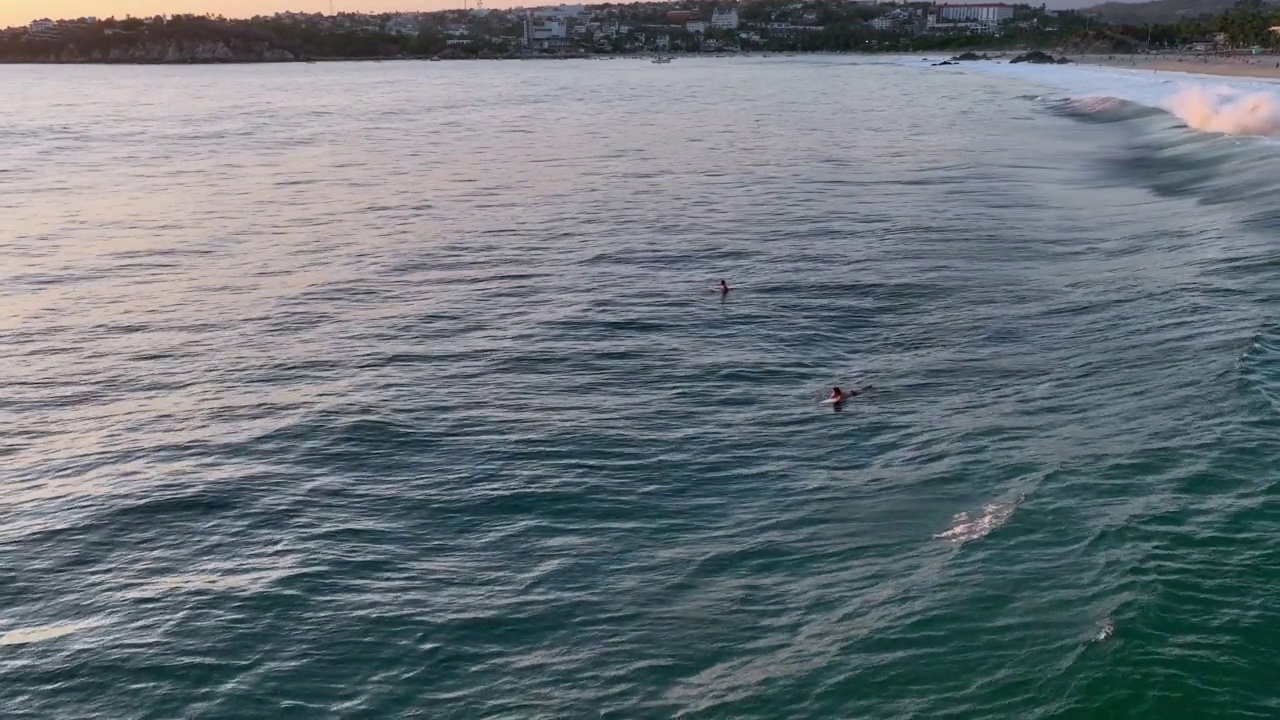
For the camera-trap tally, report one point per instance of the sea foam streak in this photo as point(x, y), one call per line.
point(966, 528)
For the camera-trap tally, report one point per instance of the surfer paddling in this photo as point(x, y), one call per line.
point(838, 397)
point(724, 288)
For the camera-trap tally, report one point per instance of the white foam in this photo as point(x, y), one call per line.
point(1226, 110)
point(23, 636)
point(1105, 633)
point(965, 528)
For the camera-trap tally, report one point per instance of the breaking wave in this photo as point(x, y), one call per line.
point(1227, 110)
point(1229, 106)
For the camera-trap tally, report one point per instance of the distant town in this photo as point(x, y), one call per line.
point(577, 30)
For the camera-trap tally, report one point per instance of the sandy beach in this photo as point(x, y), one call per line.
point(1265, 67)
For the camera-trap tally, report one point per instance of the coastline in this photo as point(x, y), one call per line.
point(1259, 67)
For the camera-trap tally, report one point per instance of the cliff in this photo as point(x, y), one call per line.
point(160, 51)
point(195, 40)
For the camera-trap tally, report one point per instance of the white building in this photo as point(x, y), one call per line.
point(725, 19)
point(41, 26)
point(986, 13)
point(695, 26)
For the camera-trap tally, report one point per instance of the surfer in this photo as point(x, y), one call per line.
point(724, 288)
point(838, 395)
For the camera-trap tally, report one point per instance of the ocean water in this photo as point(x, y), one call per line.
point(402, 390)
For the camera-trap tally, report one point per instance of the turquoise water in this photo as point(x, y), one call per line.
point(401, 390)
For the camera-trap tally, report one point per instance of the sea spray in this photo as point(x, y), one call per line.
point(1227, 110)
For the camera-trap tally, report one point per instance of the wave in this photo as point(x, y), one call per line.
point(1227, 106)
point(1102, 109)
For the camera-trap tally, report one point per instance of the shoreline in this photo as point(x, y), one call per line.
point(1257, 67)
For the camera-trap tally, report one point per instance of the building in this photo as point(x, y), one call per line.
point(781, 28)
point(991, 14)
point(545, 32)
point(404, 25)
point(695, 26)
point(562, 12)
point(960, 28)
point(725, 19)
point(682, 16)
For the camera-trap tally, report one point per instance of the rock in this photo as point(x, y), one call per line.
point(1035, 57)
point(1063, 60)
point(944, 62)
point(971, 56)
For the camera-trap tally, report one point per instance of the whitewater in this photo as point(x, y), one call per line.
point(1227, 105)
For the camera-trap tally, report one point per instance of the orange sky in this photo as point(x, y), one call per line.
point(21, 12)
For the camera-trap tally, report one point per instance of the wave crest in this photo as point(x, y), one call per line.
point(1102, 108)
point(1227, 110)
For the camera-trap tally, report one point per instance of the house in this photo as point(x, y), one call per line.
point(695, 26)
point(44, 30)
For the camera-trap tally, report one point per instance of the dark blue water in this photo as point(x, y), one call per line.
point(396, 390)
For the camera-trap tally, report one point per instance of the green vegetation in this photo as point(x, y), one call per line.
point(767, 25)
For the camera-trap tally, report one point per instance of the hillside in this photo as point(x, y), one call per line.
point(1158, 11)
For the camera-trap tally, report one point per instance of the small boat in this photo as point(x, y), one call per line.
point(661, 60)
